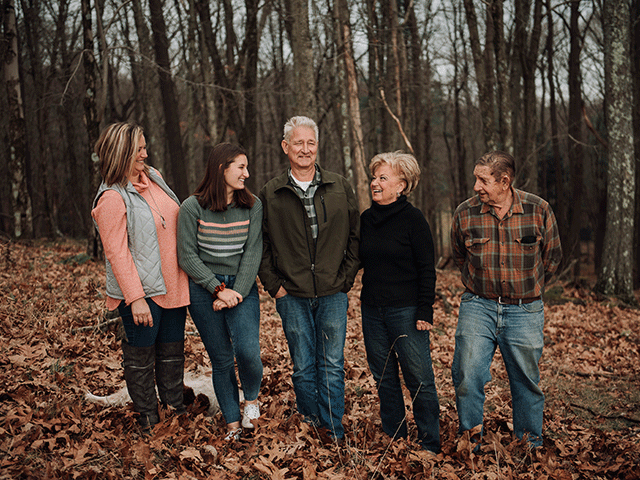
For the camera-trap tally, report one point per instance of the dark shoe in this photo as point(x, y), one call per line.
point(139, 363)
point(170, 374)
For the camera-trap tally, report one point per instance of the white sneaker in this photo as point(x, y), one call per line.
point(233, 435)
point(251, 412)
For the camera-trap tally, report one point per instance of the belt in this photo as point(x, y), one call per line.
point(510, 301)
point(514, 301)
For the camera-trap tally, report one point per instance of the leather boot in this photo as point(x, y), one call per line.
point(139, 363)
point(170, 374)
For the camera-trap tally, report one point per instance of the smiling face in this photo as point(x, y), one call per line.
point(138, 165)
point(236, 174)
point(386, 185)
point(492, 192)
point(301, 148)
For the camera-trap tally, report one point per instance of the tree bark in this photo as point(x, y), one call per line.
point(16, 134)
point(169, 100)
point(297, 20)
point(150, 115)
point(571, 240)
point(483, 66)
point(616, 275)
point(353, 105)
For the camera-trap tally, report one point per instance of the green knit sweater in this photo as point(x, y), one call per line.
point(223, 243)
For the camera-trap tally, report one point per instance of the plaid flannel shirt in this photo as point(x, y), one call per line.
point(307, 199)
point(514, 257)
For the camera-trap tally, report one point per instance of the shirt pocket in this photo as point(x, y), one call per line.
point(528, 252)
point(477, 250)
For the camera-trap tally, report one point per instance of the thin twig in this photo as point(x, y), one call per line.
point(97, 326)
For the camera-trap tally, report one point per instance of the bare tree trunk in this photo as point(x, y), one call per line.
point(148, 92)
point(505, 117)
point(615, 277)
point(304, 85)
point(635, 75)
point(570, 242)
point(353, 105)
point(560, 207)
point(16, 134)
point(169, 100)
point(94, 247)
point(250, 83)
point(483, 65)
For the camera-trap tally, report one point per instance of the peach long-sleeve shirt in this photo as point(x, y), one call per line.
point(111, 216)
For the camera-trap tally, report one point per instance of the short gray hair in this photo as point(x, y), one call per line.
point(299, 121)
point(500, 163)
point(403, 164)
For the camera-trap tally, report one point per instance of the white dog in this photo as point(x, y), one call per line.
point(200, 383)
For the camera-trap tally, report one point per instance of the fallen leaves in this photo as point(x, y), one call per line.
point(49, 293)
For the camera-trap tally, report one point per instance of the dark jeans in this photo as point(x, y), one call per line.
point(391, 339)
point(168, 325)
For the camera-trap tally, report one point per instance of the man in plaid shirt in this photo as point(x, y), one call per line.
point(506, 244)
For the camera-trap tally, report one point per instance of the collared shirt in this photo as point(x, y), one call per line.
point(511, 257)
point(307, 198)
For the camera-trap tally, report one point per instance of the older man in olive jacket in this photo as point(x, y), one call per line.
point(311, 226)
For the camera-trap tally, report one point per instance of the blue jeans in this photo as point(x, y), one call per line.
point(168, 325)
point(228, 334)
point(483, 325)
point(391, 338)
point(316, 329)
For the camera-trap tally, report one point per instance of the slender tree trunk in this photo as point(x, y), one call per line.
point(615, 277)
point(353, 105)
point(94, 247)
point(304, 85)
point(16, 134)
point(635, 75)
point(169, 100)
point(571, 241)
point(250, 83)
point(483, 65)
point(560, 206)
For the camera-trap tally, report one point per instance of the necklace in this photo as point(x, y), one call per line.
point(157, 209)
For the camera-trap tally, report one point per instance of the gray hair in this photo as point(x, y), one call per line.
point(403, 164)
point(500, 163)
point(299, 121)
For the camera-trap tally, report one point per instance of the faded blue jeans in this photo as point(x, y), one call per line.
point(316, 329)
point(231, 333)
point(391, 338)
point(483, 325)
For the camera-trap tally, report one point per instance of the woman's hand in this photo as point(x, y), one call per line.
point(423, 325)
point(230, 297)
point(141, 313)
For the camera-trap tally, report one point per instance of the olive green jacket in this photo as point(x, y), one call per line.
point(290, 256)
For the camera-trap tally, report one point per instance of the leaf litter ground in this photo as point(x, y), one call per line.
point(51, 295)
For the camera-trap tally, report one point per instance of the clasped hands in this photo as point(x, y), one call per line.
point(227, 298)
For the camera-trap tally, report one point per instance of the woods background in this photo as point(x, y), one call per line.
point(556, 83)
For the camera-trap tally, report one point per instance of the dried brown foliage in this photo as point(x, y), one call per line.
point(590, 374)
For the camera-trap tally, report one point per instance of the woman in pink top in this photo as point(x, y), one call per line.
point(136, 214)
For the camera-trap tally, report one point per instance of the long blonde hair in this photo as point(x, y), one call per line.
point(117, 149)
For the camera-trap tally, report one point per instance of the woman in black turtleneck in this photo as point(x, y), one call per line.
point(398, 291)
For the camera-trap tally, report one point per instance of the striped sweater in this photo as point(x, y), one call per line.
point(223, 243)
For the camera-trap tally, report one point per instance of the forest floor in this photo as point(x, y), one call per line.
point(590, 372)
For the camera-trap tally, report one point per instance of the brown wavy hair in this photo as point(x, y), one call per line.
point(212, 191)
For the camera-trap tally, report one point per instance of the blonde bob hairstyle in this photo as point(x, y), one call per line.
point(117, 149)
point(403, 164)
